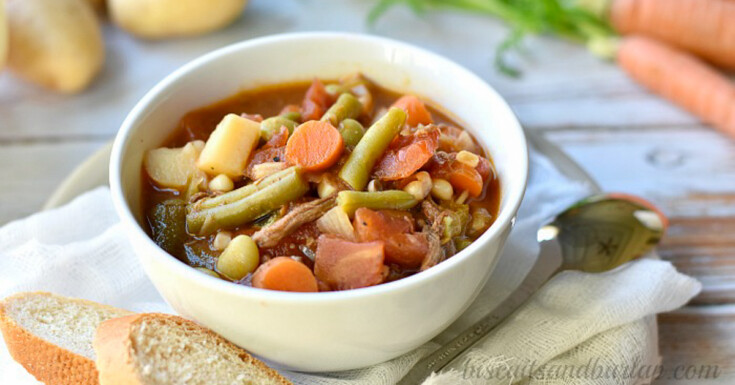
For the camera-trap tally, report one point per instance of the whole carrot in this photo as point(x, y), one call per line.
point(703, 27)
point(681, 78)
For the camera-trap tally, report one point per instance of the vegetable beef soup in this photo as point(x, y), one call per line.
point(318, 187)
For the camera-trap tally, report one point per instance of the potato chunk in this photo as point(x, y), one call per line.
point(228, 148)
point(174, 167)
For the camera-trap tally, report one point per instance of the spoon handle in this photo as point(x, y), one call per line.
point(549, 261)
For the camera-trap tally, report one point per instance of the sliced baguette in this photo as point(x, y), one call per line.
point(51, 336)
point(160, 349)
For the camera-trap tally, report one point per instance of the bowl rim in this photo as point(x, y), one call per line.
point(506, 217)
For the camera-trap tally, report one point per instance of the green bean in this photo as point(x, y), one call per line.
point(346, 107)
point(242, 192)
point(350, 201)
point(371, 147)
point(266, 198)
point(292, 115)
point(270, 126)
point(351, 131)
point(168, 225)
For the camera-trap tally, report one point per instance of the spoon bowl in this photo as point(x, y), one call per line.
point(604, 231)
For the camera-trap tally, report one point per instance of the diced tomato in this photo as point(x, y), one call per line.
point(316, 101)
point(407, 250)
point(347, 265)
point(461, 176)
point(272, 154)
point(382, 223)
point(274, 150)
point(396, 229)
point(407, 154)
point(415, 109)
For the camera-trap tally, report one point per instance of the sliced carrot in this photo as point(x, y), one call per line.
point(681, 78)
point(346, 265)
point(284, 274)
point(460, 175)
point(395, 228)
point(407, 154)
point(705, 28)
point(464, 177)
point(316, 101)
point(416, 110)
point(315, 146)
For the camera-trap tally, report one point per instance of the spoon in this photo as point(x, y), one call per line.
point(596, 234)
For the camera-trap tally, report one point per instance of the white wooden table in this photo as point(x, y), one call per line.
point(626, 138)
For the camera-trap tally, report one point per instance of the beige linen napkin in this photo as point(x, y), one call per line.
point(592, 323)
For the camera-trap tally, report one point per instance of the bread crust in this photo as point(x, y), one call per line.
point(113, 346)
point(49, 363)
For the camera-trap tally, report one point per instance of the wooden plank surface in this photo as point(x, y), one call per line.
point(697, 346)
point(626, 138)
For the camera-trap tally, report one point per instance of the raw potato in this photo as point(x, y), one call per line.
point(157, 19)
point(3, 36)
point(229, 146)
point(173, 167)
point(56, 44)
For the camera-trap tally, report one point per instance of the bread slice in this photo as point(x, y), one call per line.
point(160, 349)
point(51, 336)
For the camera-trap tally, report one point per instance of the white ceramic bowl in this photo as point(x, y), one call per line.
point(334, 330)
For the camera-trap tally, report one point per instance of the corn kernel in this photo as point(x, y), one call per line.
point(441, 189)
point(421, 187)
point(221, 240)
point(468, 158)
point(221, 183)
